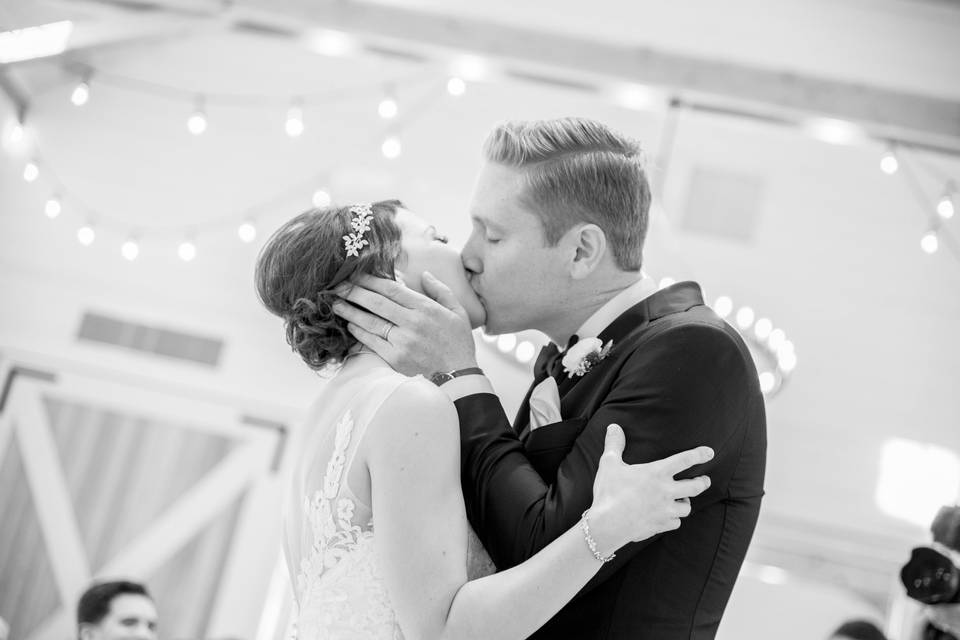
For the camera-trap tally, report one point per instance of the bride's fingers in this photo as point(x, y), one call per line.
point(684, 460)
point(614, 443)
point(690, 488)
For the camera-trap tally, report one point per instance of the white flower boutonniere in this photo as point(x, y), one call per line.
point(581, 357)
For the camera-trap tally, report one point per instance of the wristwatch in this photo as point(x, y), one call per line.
point(442, 377)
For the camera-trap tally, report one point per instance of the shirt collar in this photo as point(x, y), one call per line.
point(617, 305)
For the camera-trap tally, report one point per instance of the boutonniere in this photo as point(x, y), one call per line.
point(581, 357)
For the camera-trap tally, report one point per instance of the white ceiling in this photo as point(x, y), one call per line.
point(835, 259)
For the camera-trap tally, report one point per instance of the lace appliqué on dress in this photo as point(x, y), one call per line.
point(340, 591)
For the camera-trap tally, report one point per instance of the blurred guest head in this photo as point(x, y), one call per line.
point(858, 630)
point(118, 610)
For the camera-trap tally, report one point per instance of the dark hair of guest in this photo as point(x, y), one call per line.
point(95, 602)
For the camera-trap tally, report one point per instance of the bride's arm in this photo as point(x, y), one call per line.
point(412, 451)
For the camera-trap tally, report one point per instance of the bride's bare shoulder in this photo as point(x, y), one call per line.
point(416, 410)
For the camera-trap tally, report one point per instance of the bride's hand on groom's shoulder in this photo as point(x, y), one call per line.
point(415, 333)
point(639, 501)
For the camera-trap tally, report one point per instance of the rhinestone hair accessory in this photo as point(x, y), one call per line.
point(353, 243)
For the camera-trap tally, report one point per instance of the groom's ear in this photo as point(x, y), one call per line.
point(590, 244)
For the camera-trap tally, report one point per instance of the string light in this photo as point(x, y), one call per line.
point(321, 198)
point(16, 133)
point(130, 249)
point(247, 231)
point(197, 123)
point(745, 317)
point(81, 94)
point(525, 352)
point(294, 124)
point(723, 306)
point(31, 172)
point(187, 250)
point(456, 86)
point(945, 208)
point(388, 106)
point(507, 342)
point(889, 163)
point(929, 242)
point(762, 328)
point(86, 235)
point(53, 207)
point(391, 147)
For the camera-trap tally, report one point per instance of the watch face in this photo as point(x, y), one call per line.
point(439, 378)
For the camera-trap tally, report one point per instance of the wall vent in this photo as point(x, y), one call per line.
point(723, 203)
point(179, 345)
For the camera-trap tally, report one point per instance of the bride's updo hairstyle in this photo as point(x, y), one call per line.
point(305, 259)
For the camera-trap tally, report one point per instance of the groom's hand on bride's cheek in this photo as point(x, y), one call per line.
point(414, 333)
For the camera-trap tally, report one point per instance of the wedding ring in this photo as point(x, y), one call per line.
point(386, 333)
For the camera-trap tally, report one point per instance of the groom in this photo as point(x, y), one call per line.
point(560, 213)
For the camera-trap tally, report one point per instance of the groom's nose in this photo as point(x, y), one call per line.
point(470, 258)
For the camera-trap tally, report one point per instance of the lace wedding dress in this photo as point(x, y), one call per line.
point(340, 594)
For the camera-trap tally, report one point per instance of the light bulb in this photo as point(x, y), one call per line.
point(247, 231)
point(762, 328)
point(388, 108)
point(456, 86)
point(889, 163)
point(16, 133)
point(507, 342)
point(294, 122)
point(197, 123)
point(525, 352)
point(391, 148)
point(321, 198)
point(745, 317)
point(53, 207)
point(130, 249)
point(86, 235)
point(787, 361)
point(723, 306)
point(187, 251)
point(767, 382)
point(81, 94)
point(945, 207)
point(31, 172)
point(929, 242)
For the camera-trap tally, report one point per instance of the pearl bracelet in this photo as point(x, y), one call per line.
point(585, 525)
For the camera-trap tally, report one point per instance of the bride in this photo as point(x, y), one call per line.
point(381, 454)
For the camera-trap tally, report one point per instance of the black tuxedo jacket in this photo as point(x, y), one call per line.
point(677, 377)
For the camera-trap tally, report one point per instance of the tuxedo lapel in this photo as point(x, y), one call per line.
point(674, 299)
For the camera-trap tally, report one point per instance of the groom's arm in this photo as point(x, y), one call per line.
point(682, 388)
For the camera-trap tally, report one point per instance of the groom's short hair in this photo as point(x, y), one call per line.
point(579, 170)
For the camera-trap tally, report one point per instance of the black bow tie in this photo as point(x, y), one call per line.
point(550, 361)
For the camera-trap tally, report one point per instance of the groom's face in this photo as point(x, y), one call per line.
point(518, 278)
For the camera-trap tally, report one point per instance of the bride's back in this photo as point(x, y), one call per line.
point(328, 519)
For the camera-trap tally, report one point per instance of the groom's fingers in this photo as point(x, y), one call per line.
point(371, 340)
point(390, 289)
point(614, 443)
point(375, 303)
point(685, 459)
